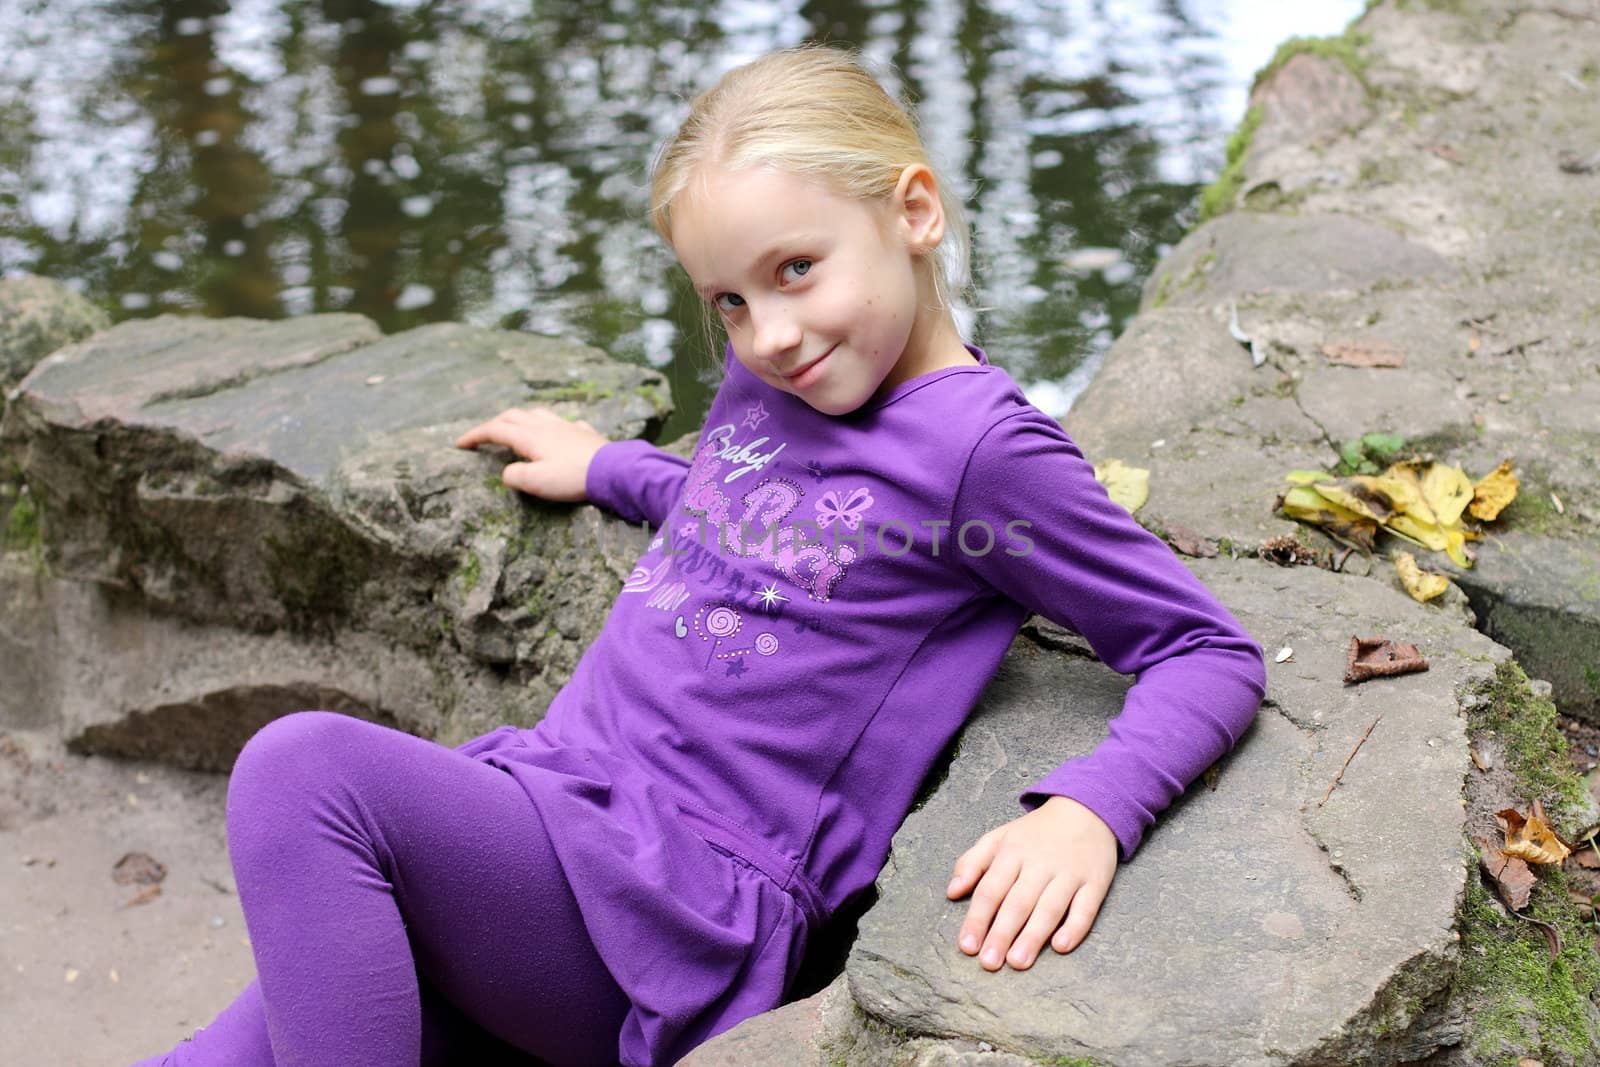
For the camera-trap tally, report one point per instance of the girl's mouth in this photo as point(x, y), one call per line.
point(808, 373)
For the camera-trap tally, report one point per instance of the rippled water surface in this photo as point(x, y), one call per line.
point(485, 160)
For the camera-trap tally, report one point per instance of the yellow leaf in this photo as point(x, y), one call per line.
point(1456, 546)
point(1447, 490)
point(1307, 477)
point(1422, 585)
point(1360, 494)
point(1408, 474)
point(1128, 486)
point(1304, 503)
point(1493, 492)
point(1424, 533)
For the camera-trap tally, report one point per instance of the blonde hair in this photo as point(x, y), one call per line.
point(814, 111)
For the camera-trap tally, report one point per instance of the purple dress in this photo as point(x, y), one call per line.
point(825, 601)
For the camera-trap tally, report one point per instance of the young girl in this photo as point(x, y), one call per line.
point(872, 512)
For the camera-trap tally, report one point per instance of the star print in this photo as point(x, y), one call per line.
point(770, 596)
point(736, 668)
point(756, 415)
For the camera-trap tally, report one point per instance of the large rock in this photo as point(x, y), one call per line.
point(1258, 925)
point(270, 515)
point(38, 316)
point(1446, 229)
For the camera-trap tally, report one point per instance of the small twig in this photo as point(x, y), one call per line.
point(1346, 763)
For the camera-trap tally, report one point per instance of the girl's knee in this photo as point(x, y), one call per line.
point(285, 751)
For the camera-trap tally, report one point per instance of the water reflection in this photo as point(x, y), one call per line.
point(485, 160)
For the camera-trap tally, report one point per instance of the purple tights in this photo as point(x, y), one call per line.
point(404, 907)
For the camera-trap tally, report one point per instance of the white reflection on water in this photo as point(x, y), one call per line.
point(566, 162)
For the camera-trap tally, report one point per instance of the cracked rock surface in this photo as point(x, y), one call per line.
point(1257, 925)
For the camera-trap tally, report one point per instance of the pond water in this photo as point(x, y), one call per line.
point(486, 160)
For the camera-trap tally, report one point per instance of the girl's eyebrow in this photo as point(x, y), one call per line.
point(780, 249)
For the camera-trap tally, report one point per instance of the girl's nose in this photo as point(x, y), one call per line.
point(774, 332)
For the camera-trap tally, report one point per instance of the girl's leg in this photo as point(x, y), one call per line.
point(365, 856)
point(238, 1037)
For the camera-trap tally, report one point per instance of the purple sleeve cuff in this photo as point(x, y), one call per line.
point(636, 480)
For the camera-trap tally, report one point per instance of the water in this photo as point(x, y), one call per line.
point(485, 160)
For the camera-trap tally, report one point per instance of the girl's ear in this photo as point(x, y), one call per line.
point(920, 212)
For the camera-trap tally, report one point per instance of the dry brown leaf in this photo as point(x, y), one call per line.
point(1363, 354)
point(1190, 543)
point(1588, 860)
point(1512, 879)
point(1379, 657)
point(144, 896)
point(1531, 838)
point(138, 868)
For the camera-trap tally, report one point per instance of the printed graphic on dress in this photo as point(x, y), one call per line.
point(722, 626)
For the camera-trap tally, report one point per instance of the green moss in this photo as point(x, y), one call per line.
point(1536, 750)
point(1520, 1000)
point(584, 392)
point(1524, 1001)
point(1344, 49)
point(23, 531)
point(1534, 512)
point(496, 484)
point(1163, 289)
point(470, 571)
point(1220, 194)
point(1589, 73)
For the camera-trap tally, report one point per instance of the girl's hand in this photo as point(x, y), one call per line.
point(1057, 860)
point(556, 452)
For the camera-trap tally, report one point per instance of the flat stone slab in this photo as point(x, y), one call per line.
point(1278, 930)
point(240, 517)
point(1247, 252)
point(1217, 454)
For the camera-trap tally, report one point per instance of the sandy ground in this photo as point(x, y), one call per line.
point(94, 973)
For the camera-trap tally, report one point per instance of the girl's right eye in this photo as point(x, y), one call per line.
point(728, 302)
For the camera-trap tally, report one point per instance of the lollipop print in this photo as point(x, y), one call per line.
point(716, 622)
point(767, 644)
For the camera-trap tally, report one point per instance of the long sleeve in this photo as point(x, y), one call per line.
point(1084, 562)
point(636, 480)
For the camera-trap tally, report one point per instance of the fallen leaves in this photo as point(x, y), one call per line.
point(138, 868)
point(1379, 657)
point(1513, 881)
point(1422, 585)
point(1128, 486)
point(1493, 492)
point(1531, 838)
point(1188, 542)
point(1421, 501)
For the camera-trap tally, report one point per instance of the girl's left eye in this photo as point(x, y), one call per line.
point(800, 267)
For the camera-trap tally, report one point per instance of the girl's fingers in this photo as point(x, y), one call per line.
point(971, 864)
point(1046, 918)
point(1080, 916)
point(528, 477)
point(1008, 921)
point(986, 900)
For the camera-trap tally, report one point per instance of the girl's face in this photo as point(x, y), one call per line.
point(819, 291)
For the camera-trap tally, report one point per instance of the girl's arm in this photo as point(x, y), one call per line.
point(571, 461)
point(1065, 550)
